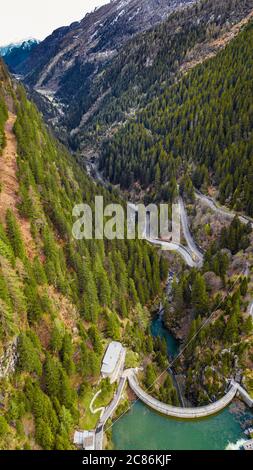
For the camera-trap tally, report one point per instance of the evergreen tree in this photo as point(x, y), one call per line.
point(150, 376)
point(67, 353)
point(14, 235)
point(28, 356)
point(95, 339)
point(199, 295)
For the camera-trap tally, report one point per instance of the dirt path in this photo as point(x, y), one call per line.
point(10, 186)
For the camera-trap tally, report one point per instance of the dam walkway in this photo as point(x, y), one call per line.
point(186, 413)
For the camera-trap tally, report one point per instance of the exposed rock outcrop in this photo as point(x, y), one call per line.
point(8, 360)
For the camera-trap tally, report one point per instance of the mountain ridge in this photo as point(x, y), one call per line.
point(6, 48)
point(98, 34)
point(17, 53)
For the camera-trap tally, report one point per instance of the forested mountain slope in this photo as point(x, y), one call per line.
point(61, 300)
point(66, 63)
point(94, 39)
point(94, 74)
point(203, 123)
point(147, 64)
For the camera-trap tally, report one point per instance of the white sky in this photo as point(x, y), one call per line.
point(21, 19)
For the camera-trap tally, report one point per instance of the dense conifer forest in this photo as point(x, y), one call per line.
point(145, 67)
point(202, 124)
point(61, 300)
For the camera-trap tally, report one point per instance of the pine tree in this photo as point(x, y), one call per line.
point(66, 393)
point(4, 428)
point(199, 295)
point(113, 327)
point(67, 354)
point(248, 326)
point(14, 235)
point(157, 177)
point(244, 286)
point(52, 376)
point(178, 297)
point(133, 292)
point(28, 356)
point(102, 283)
point(95, 339)
point(44, 435)
point(56, 339)
point(150, 376)
point(231, 330)
point(90, 305)
point(39, 272)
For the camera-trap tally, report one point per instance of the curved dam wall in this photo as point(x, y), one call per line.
point(177, 412)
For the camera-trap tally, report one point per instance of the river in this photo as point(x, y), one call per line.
point(143, 429)
point(158, 329)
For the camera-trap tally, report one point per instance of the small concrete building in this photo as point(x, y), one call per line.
point(113, 362)
point(85, 440)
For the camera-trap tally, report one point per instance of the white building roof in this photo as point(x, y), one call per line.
point(111, 357)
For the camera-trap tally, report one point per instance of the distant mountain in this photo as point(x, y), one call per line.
point(5, 49)
point(15, 54)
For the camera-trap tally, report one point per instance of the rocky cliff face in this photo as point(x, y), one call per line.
point(8, 359)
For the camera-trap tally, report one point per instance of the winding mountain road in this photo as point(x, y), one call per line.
point(180, 249)
point(108, 413)
point(188, 236)
point(190, 253)
point(225, 212)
